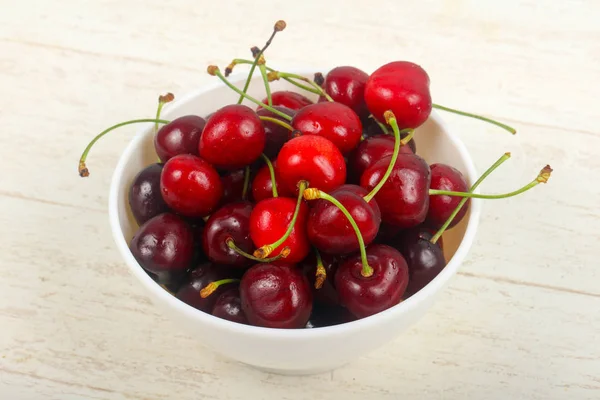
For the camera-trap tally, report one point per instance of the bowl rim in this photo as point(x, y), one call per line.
point(209, 320)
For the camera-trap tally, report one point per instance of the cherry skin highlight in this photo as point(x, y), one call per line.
point(445, 177)
point(276, 296)
point(180, 136)
point(190, 186)
point(365, 296)
point(287, 99)
point(403, 88)
point(233, 137)
point(334, 121)
point(229, 306)
point(346, 85)
point(145, 200)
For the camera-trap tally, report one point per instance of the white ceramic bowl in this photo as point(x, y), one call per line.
point(301, 351)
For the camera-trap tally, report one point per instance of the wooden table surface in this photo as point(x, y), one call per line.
point(521, 320)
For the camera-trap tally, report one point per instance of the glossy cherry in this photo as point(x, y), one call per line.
point(144, 198)
point(360, 191)
point(313, 159)
point(334, 121)
point(372, 128)
point(369, 151)
point(288, 99)
point(445, 177)
point(180, 136)
point(190, 185)
point(233, 186)
point(325, 293)
point(198, 279)
point(404, 198)
point(229, 306)
point(270, 220)
point(232, 221)
point(233, 137)
point(262, 186)
point(330, 231)
point(403, 88)
point(365, 296)
point(276, 135)
point(276, 296)
point(346, 85)
point(164, 246)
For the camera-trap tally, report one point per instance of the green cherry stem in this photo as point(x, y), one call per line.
point(278, 122)
point(321, 273)
point(162, 100)
point(541, 178)
point(263, 72)
point(491, 169)
point(391, 120)
point(211, 287)
point(267, 249)
point(384, 128)
point(231, 244)
point(246, 182)
point(479, 117)
point(83, 170)
point(272, 173)
point(275, 75)
point(214, 70)
point(313, 194)
point(237, 61)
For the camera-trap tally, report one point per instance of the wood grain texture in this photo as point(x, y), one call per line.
point(521, 320)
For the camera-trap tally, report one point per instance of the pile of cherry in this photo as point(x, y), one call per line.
point(299, 214)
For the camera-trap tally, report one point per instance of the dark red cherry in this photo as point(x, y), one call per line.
point(287, 99)
point(404, 198)
point(164, 246)
point(386, 233)
point(323, 316)
point(346, 85)
point(326, 293)
point(425, 259)
point(145, 199)
point(330, 231)
point(233, 186)
point(365, 296)
point(180, 136)
point(360, 191)
point(333, 121)
point(262, 187)
point(369, 151)
point(190, 186)
point(276, 135)
point(445, 177)
point(229, 306)
point(270, 220)
point(313, 159)
point(233, 137)
point(198, 279)
point(403, 88)
point(276, 296)
point(232, 221)
point(371, 128)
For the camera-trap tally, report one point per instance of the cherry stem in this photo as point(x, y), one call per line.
point(267, 249)
point(211, 287)
point(274, 75)
point(541, 178)
point(214, 70)
point(83, 170)
point(382, 126)
point(236, 61)
point(313, 194)
point(246, 182)
point(278, 122)
point(391, 120)
point(162, 100)
point(272, 173)
point(231, 244)
point(491, 169)
point(321, 273)
point(279, 26)
point(263, 72)
point(479, 117)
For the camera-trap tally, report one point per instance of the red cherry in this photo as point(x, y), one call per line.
point(233, 186)
point(403, 88)
point(262, 186)
point(445, 177)
point(360, 191)
point(314, 159)
point(329, 230)
point(369, 151)
point(404, 198)
point(232, 221)
point(346, 85)
point(276, 296)
point(372, 128)
point(180, 136)
point(198, 279)
point(333, 121)
point(233, 137)
point(190, 186)
point(145, 200)
point(365, 296)
point(270, 220)
point(288, 99)
point(276, 134)
point(229, 306)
